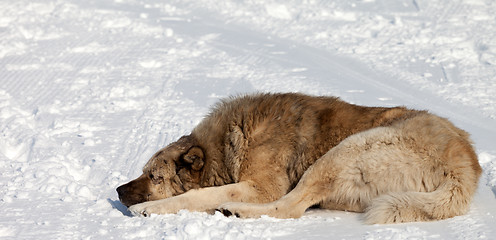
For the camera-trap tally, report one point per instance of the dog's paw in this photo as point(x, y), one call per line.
point(239, 210)
point(141, 209)
point(137, 210)
point(255, 210)
point(227, 212)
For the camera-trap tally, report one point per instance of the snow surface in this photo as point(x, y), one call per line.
point(89, 90)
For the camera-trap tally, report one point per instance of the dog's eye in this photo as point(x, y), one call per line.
point(155, 179)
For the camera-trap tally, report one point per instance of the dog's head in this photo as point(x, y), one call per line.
point(171, 171)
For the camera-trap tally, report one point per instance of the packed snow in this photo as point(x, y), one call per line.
point(89, 90)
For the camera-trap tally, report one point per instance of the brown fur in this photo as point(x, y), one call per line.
point(291, 151)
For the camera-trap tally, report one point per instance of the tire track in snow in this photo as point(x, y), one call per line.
point(321, 65)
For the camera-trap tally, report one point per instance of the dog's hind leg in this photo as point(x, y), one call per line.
point(451, 198)
point(315, 186)
point(347, 177)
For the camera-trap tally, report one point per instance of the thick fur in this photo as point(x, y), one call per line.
point(279, 154)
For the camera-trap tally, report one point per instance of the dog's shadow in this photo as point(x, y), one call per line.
point(116, 204)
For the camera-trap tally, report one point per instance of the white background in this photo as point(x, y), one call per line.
point(89, 90)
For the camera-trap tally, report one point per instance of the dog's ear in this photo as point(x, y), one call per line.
point(195, 158)
point(177, 149)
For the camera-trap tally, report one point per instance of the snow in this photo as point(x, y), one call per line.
point(91, 89)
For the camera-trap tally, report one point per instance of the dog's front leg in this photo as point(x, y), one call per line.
point(202, 199)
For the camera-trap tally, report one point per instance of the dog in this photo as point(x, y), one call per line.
point(279, 154)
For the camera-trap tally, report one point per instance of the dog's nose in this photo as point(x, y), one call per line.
point(121, 191)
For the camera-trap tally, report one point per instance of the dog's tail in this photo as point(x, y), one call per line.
point(451, 198)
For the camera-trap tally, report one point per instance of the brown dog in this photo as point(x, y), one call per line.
point(278, 154)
